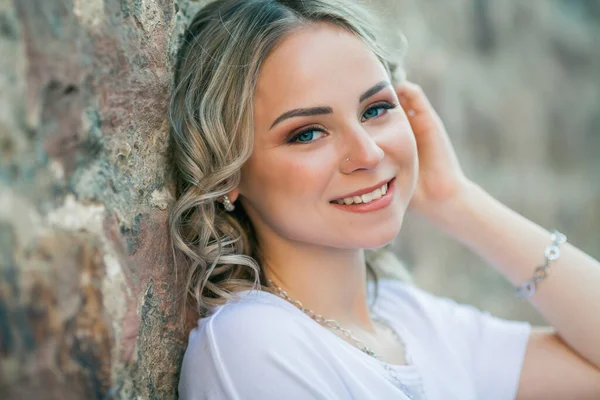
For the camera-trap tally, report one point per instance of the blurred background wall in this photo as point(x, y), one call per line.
point(517, 84)
point(86, 285)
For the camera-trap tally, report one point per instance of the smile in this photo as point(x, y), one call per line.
point(367, 202)
point(365, 198)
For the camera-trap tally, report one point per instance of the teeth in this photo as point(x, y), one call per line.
point(365, 198)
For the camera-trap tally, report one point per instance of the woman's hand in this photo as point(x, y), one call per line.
point(441, 179)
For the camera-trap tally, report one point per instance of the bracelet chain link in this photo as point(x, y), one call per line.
point(541, 272)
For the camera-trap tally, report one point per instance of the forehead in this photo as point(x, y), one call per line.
point(320, 64)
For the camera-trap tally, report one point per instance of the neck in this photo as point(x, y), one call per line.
point(328, 281)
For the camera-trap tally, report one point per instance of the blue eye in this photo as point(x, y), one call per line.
point(373, 111)
point(306, 136)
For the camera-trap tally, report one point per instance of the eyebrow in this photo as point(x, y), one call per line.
point(307, 112)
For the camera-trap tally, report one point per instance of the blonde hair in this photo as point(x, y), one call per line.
point(211, 128)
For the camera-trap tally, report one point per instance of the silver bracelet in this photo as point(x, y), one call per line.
point(552, 253)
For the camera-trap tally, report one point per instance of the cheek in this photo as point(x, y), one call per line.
point(288, 178)
point(401, 147)
point(407, 148)
point(399, 143)
point(295, 178)
point(281, 192)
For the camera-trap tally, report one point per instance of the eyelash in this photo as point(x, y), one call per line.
point(386, 106)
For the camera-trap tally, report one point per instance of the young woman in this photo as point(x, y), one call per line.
point(296, 151)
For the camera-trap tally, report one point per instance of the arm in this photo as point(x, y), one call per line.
point(552, 370)
point(569, 298)
point(563, 362)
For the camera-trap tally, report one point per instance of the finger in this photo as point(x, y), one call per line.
point(411, 97)
point(417, 106)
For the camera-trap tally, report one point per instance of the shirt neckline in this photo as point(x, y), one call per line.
point(408, 368)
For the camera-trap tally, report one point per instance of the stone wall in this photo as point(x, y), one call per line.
point(87, 289)
point(86, 294)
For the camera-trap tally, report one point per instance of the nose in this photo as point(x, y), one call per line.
point(362, 152)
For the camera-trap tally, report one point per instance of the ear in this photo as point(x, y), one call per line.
point(233, 195)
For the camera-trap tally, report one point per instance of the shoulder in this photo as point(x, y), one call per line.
point(443, 317)
point(258, 347)
point(479, 341)
point(249, 323)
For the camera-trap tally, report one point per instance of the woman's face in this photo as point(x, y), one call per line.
point(298, 165)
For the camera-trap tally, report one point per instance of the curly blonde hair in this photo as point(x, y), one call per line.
point(211, 134)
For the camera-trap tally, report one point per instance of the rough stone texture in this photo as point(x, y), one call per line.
point(87, 290)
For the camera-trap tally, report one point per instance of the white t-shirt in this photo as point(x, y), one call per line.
point(263, 347)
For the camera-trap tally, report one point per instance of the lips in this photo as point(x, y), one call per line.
point(363, 191)
point(370, 205)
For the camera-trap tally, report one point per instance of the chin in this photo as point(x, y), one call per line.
point(373, 245)
point(378, 237)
